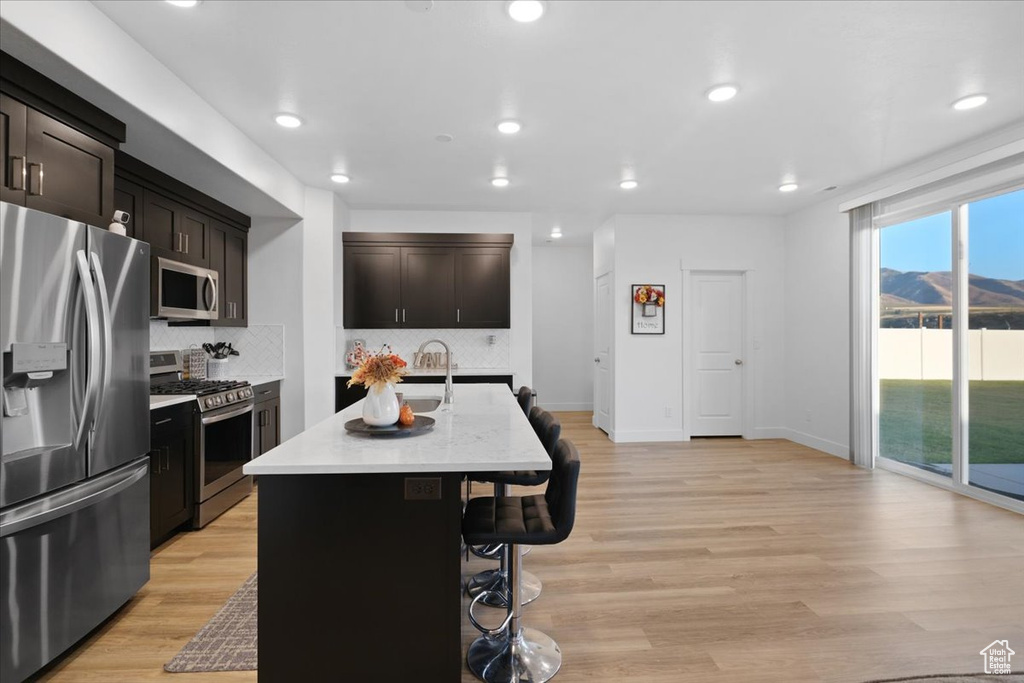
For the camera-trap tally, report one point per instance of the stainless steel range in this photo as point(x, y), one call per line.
point(223, 433)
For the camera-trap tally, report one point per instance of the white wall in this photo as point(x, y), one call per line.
point(325, 217)
point(563, 327)
point(817, 329)
point(275, 293)
point(519, 224)
point(654, 249)
point(169, 125)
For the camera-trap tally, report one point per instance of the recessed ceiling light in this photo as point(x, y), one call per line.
point(288, 120)
point(183, 3)
point(628, 184)
point(525, 11)
point(556, 235)
point(340, 178)
point(788, 187)
point(721, 93)
point(499, 182)
point(970, 102)
point(510, 127)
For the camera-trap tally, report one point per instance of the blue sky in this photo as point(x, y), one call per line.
point(996, 247)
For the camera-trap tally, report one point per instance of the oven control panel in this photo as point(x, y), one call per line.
point(224, 398)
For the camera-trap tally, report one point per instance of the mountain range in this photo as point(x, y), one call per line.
point(935, 288)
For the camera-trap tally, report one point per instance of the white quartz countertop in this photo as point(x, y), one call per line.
point(484, 430)
point(420, 372)
point(164, 401)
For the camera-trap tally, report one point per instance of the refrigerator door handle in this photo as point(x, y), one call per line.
point(92, 322)
point(107, 328)
point(21, 517)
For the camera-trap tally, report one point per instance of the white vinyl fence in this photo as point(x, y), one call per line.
point(928, 354)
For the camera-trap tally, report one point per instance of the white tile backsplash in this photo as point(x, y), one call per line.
point(471, 349)
point(260, 347)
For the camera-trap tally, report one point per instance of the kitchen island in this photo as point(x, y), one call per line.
point(359, 564)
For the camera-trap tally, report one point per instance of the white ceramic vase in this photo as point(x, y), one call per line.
point(380, 407)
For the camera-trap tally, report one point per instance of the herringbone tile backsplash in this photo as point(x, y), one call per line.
point(260, 347)
point(471, 349)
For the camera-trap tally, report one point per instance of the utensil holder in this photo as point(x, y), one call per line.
point(217, 368)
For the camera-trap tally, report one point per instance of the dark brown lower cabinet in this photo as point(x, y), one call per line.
point(266, 421)
point(344, 395)
point(171, 462)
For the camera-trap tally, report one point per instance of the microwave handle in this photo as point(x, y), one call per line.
point(210, 306)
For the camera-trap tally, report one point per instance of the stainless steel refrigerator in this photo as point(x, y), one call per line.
point(74, 484)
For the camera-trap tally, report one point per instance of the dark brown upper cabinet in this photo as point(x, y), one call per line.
point(182, 224)
point(13, 123)
point(426, 280)
point(428, 287)
point(482, 287)
point(50, 166)
point(373, 286)
point(228, 249)
point(57, 149)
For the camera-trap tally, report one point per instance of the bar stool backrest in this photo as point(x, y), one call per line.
point(525, 398)
point(561, 490)
point(547, 427)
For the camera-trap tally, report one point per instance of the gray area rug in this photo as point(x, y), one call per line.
point(956, 678)
point(228, 641)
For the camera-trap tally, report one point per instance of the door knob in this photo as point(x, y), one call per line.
point(738, 361)
point(597, 360)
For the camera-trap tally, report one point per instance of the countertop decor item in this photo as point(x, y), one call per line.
point(379, 373)
point(421, 424)
point(649, 302)
point(357, 355)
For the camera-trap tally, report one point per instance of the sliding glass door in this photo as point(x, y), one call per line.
point(915, 350)
point(994, 457)
point(950, 344)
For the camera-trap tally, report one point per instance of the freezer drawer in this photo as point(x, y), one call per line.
point(67, 562)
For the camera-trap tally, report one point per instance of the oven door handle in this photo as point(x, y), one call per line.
point(211, 419)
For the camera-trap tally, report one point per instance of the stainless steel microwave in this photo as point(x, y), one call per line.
point(183, 292)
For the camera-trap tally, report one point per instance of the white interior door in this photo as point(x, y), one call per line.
point(603, 354)
point(718, 348)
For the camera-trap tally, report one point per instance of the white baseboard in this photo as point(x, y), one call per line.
point(824, 445)
point(648, 436)
point(554, 407)
point(770, 433)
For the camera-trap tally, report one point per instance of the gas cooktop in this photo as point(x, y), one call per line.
point(199, 387)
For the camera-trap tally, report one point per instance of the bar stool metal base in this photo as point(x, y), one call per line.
point(496, 581)
point(530, 656)
point(493, 551)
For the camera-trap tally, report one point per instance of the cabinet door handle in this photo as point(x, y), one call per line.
point(162, 422)
point(265, 392)
point(458, 315)
point(35, 178)
point(396, 315)
point(177, 247)
point(167, 459)
point(403, 315)
point(186, 242)
point(18, 173)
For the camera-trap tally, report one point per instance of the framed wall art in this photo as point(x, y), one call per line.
point(648, 309)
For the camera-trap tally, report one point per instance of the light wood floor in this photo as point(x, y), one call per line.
point(716, 560)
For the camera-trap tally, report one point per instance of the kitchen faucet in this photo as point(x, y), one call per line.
point(449, 395)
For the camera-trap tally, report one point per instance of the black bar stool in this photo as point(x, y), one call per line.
point(494, 582)
point(524, 397)
point(512, 652)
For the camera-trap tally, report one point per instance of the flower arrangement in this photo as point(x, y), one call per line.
point(648, 294)
point(383, 367)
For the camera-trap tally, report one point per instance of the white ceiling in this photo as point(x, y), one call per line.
point(832, 93)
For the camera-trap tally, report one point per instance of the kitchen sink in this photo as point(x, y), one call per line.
point(424, 404)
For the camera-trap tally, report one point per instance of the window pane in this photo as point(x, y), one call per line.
point(915, 343)
point(996, 344)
